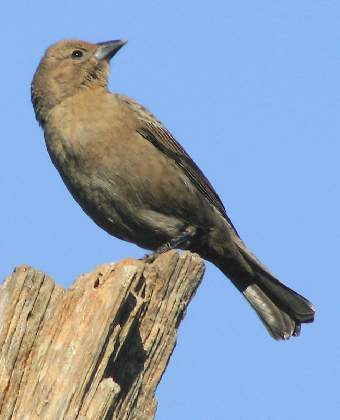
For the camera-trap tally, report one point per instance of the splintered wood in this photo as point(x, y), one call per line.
point(97, 350)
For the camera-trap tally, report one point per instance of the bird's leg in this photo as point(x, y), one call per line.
point(172, 244)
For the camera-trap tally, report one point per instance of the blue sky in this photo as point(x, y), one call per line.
point(251, 89)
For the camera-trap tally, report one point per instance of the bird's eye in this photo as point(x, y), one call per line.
point(76, 54)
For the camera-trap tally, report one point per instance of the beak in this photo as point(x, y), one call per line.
point(106, 50)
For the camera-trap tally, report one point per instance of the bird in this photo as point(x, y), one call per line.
point(134, 180)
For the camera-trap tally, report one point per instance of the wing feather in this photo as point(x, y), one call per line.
point(153, 130)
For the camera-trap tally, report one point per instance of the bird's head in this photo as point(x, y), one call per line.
point(67, 67)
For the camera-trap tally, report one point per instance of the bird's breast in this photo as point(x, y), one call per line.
point(121, 180)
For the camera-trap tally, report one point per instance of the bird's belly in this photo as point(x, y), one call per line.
point(134, 195)
point(119, 208)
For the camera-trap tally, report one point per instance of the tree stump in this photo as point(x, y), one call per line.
point(97, 350)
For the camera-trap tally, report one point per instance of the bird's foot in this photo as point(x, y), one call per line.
point(150, 258)
point(180, 241)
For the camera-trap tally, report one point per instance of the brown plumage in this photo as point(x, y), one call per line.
point(136, 181)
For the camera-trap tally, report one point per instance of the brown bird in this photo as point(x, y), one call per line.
point(132, 177)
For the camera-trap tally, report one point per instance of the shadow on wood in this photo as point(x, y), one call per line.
point(97, 350)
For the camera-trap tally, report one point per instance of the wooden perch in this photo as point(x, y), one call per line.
point(97, 350)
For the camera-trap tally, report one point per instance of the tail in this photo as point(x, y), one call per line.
point(280, 308)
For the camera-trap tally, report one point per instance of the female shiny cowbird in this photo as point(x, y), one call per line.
point(136, 181)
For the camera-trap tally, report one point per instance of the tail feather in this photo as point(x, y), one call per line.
point(278, 323)
point(297, 306)
point(281, 309)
